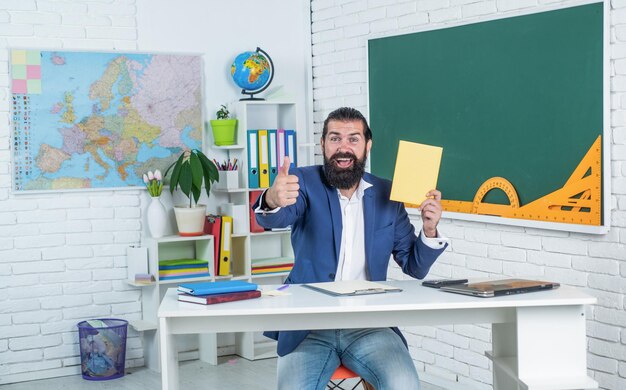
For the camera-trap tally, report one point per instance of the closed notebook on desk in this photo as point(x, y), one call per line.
point(494, 288)
point(219, 298)
point(206, 288)
point(351, 288)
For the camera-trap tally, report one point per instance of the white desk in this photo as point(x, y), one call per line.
point(539, 339)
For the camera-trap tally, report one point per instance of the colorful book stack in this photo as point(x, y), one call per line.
point(183, 268)
point(208, 293)
point(272, 266)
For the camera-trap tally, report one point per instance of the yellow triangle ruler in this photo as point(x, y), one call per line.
point(579, 201)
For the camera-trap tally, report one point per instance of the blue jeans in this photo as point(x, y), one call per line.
point(376, 355)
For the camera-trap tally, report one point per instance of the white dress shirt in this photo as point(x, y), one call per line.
point(352, 264)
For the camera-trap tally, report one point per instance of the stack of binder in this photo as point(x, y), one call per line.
point(217, 292)
point(182, 269)
point(266, 151)
point(221, 228)
point(272, 266)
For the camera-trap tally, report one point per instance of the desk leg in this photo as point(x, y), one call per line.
point(504, 343)
point(552, 346)
point(545, 348)
point(169, 357)
point(208, 348)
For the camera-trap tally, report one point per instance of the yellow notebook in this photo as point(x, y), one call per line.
point(417, 169)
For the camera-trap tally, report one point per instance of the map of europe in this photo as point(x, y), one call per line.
point(84, 120)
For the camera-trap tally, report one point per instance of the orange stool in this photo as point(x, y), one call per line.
point(340, 375)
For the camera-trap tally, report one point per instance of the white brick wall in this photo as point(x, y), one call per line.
point(61, 255)
point(596, 263)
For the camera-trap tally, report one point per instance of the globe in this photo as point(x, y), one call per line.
point(253, 72)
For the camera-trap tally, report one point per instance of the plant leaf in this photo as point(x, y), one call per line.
point(196, 191)
point(185, 181)
point(196, 170)
point(175, 178)
point(210, 172)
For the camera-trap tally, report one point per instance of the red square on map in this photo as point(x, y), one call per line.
point(33, 71)
point(19, 86)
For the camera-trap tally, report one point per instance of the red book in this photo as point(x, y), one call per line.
point(254, 226)
point(219, 298)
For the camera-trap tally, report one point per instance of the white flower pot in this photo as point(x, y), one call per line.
point(190, 220)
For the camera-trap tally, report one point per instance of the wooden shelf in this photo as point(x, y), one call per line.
point(508, 365)
point(265, 350)
point(130, 282)
point(227, 147)
point(260, 276)
point(229, 190)
point(186, 280)
point(142, 326)
point(177, 238)
point(271, 233)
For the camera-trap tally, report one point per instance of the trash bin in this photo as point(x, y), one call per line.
point(102, 348)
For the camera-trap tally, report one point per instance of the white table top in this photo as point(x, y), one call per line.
point(414, 296)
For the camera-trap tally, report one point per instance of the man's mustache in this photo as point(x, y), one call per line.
point(339, 155)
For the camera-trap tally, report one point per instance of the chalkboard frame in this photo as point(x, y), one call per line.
point(604, 227)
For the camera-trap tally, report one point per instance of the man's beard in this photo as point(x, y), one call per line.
point(343, 178)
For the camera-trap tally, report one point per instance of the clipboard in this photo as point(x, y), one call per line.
point(349, 288)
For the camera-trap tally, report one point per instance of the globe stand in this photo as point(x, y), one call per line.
point(244, 92)
point(252, 93)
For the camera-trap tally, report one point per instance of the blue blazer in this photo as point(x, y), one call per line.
point(316, 225)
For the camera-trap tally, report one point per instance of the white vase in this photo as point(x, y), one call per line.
point(156, 217)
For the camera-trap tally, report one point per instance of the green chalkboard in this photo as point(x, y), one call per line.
point(519, 97)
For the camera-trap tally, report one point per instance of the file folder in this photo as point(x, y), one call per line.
point(272, 154)
point(225, 245)
point(352, 287)
point(264, 174)
point(280, 146)
point(253, 160)
point(291, 147)
point(213, 226)
point(254, 225)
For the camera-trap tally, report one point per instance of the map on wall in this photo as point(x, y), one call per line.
point(84, 120)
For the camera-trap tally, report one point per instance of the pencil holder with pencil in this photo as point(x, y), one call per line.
point(228, 174)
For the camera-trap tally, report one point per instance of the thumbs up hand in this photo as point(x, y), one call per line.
point(285, 189)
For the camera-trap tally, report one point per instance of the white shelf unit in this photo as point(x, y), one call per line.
point(170, 248)
point(248, 247)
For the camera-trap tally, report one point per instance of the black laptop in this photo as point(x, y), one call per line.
point(494, 288)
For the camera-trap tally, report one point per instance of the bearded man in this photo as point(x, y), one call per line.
point(345, 227)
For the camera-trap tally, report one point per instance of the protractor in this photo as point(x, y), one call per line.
point(500, 183)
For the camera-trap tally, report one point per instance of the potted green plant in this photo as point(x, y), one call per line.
point(224, 127)
point(189, 172)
